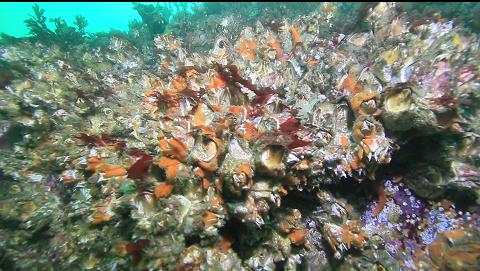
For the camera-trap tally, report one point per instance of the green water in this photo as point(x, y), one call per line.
point(106, 16)
point(101, 16)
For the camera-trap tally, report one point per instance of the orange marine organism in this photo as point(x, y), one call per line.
point(297, 237)
point(365, 103)
point(175, 148)
point(111, 171)
point(199, 116)
point(209, 219)
point(163, 190)
point(179, 83)
point(247, 49)
point(275, 44)
point(170, 166)
point(217, 82)
point(295, 35)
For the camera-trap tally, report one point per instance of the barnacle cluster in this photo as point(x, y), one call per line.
point(278, 148)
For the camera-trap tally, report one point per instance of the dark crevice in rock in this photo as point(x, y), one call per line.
point(192, 240)
point(244, 238)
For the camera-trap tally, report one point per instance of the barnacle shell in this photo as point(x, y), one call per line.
point(240, 181)
point(365, 103)
point(359, 39)
point(262, 258)
point(268, 124)
point(204, 150)
point(145, 204)
point(236, 169)
point(366, 127)
point(398, 101)
point(191, 258)
point(271, 160)
point(404, 111)
point(265, 190)
point(342, 238)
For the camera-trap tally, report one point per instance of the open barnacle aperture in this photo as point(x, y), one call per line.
point(405, 110)
point(398, 100)
point(205, 152)
point(365, 103)
point(271, 160)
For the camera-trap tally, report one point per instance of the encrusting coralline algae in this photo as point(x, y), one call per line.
point(272, 147)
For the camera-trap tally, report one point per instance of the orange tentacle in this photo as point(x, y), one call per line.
point(382, 199)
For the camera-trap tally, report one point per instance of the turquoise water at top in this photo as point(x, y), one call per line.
point(101, 16)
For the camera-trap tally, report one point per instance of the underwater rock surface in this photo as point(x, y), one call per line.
point(256, 145)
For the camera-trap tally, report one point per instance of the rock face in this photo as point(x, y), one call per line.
point(264, 150)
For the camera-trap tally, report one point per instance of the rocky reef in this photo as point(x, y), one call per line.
point(305, 143)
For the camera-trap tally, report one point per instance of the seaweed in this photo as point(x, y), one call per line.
point(6, 39)
point(63, 35)
point(154, 17)
point(37, 25)
point(140, 168)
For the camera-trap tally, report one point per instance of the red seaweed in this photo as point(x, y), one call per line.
point(194, 95)
point(260, 100)
point(87, 139)
point(183, 71)
point(104, 140)
point(297, 142)
point(140, 168)
point(231, 75)
point(290, 125)
point(136, 152)
point(121, 145)
point(167, 99)
point(135, 249)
